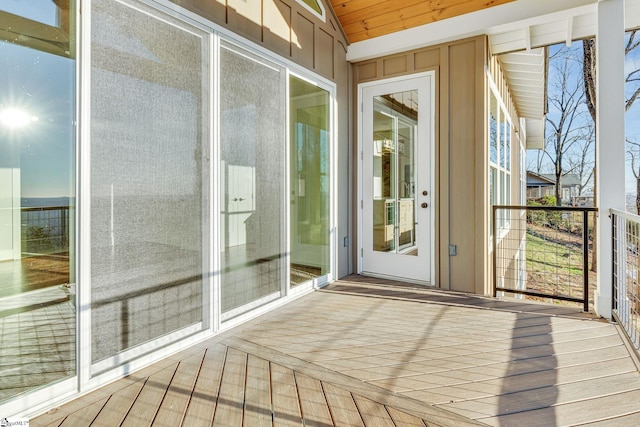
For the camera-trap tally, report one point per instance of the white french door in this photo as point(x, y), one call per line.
point(396, 222)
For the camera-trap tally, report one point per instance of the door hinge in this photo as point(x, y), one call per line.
point(361, 252)
point(361, 204)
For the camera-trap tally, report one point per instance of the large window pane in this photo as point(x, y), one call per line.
point(252, 147)
point(149, 131)
point(395, 126)
point(37, 196)
point(493, 128)
point(309, 157)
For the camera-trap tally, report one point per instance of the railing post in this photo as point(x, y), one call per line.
point(585, 259)
point(614, 283)
point(493, 232)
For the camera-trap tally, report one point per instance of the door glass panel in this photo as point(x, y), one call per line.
point(309, 157)
point(37, 195)
point(149, 130)
point(252, 138)
point(395, 119)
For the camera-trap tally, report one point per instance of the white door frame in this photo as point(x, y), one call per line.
point(430, 115)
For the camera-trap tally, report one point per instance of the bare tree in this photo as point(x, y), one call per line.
point(633, 151)
point(632, 92)
point(581, 160)
point(565, 119)
point(632, 79)
point(536, 164)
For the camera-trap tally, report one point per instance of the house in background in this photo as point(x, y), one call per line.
point(541, 185)
point(229, 156)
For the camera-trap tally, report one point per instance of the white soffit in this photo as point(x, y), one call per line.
point(526, 76)
point(535, 134)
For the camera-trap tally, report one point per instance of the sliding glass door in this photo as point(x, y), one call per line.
point(252, 180)
point(37, 196)
point(310, 181)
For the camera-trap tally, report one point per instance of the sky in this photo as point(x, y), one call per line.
point(42, 86)
point(632, 118)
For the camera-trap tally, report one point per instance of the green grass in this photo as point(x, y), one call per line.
point(547, 256)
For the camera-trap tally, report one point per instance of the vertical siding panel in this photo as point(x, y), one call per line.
point(213, 10)
point(395, 65)
point(325, 54)
point(246, 16)
point(462, 123)
point(277, 26)
point(481, 152)
point(303, 41)
point(443, 173)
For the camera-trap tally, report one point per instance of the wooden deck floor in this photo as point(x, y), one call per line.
point(376, 353)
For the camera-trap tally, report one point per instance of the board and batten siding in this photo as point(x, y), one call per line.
point(284, 27)
point(461, 150)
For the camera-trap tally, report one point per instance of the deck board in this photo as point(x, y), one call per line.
point(147, 404)
point(174, 405)
point(384, 353)
point(312, 402)
point(257, 404)
point(205, 393)
point(286, 407)
point(402, 419)
point(118, 406)
point(231, 397)
point(574, 413)
point(372, 413)
point(344, 411)
point(85, 416)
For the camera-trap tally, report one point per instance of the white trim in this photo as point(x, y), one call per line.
point(285, 283)
point(39, 400)
point(83, 197)
point(214, 179)
point(124, 358)
point(610, 138)
point(626, 215)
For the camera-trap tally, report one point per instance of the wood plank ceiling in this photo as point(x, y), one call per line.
point(365, 19)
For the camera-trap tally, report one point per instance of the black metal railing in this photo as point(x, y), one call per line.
point(543, 252)
point(626, 290)
point(45, 230)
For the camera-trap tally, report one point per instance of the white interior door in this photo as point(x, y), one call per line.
point(396, 181)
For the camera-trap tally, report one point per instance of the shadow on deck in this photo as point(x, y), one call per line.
point(375, 352)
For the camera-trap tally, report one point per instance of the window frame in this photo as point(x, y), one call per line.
point(322, 15)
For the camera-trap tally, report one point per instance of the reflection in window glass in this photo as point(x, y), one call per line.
point(309, 156)
point(150, 83)
point(395, 123)
point(252, 147)
point(507, 145)
point(43, 11)
point(493, 129)
point(493, 188)
point(37, 201)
